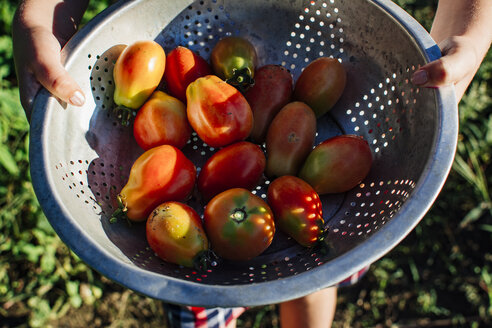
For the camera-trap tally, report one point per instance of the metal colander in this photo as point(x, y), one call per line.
point(81, 157)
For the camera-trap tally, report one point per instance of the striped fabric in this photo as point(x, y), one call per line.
point(353, 279)
point(199, 317)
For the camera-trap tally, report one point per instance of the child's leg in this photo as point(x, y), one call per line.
point(315, 310)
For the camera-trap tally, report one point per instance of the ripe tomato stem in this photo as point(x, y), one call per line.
point(124, 114)
point(120, 212)
point(204, 259)
point(239, 215)
point(242, 79)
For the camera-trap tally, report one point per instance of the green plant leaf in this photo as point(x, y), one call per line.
point(48, 260)
point(472, 216)
point(8, 161)
point(33, 252)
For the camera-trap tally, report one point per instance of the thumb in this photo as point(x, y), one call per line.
point(457, 61)
point(50, 73)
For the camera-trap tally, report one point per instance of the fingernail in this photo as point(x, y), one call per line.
point(77, 99)
point(420, 77)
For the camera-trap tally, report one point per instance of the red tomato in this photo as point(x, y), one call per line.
point(175, 233)
point(337, 164)
point(137, 73)
point(297, 209)
point(160, 174)
point(183, 66)
point(321, 84)
point(239, 224)
point(161, 120)
point(272, 91)
point(218, 112)
point(239, 165)
point(289, 140)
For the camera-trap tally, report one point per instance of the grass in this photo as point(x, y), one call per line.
point(439, 276)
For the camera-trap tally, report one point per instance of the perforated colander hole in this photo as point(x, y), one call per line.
point(390, 196)
point(202, 25)
point(146, 256)
point(101, 78)
point(198, 147)
point(314, 25)
point(315, 257)
point(75, 179)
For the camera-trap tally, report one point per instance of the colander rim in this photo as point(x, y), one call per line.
point(179, 291)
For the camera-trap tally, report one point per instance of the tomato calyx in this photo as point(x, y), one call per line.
point(120, 212)
point(322, 245)
point(241, 79)
point(239, 215)
point(124, 114)
point(204, 260)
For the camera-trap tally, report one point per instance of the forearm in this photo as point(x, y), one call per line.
point(57, 16)
point(465, 18)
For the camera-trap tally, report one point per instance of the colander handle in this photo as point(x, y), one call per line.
point(433, 52)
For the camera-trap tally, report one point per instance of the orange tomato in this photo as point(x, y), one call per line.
point(161, 120)
point(137, 73)
point(218, 112)
point(160, 174)
point(175, 233)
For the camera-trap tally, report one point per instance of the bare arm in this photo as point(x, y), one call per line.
point(463, 31)
point(40, 29)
